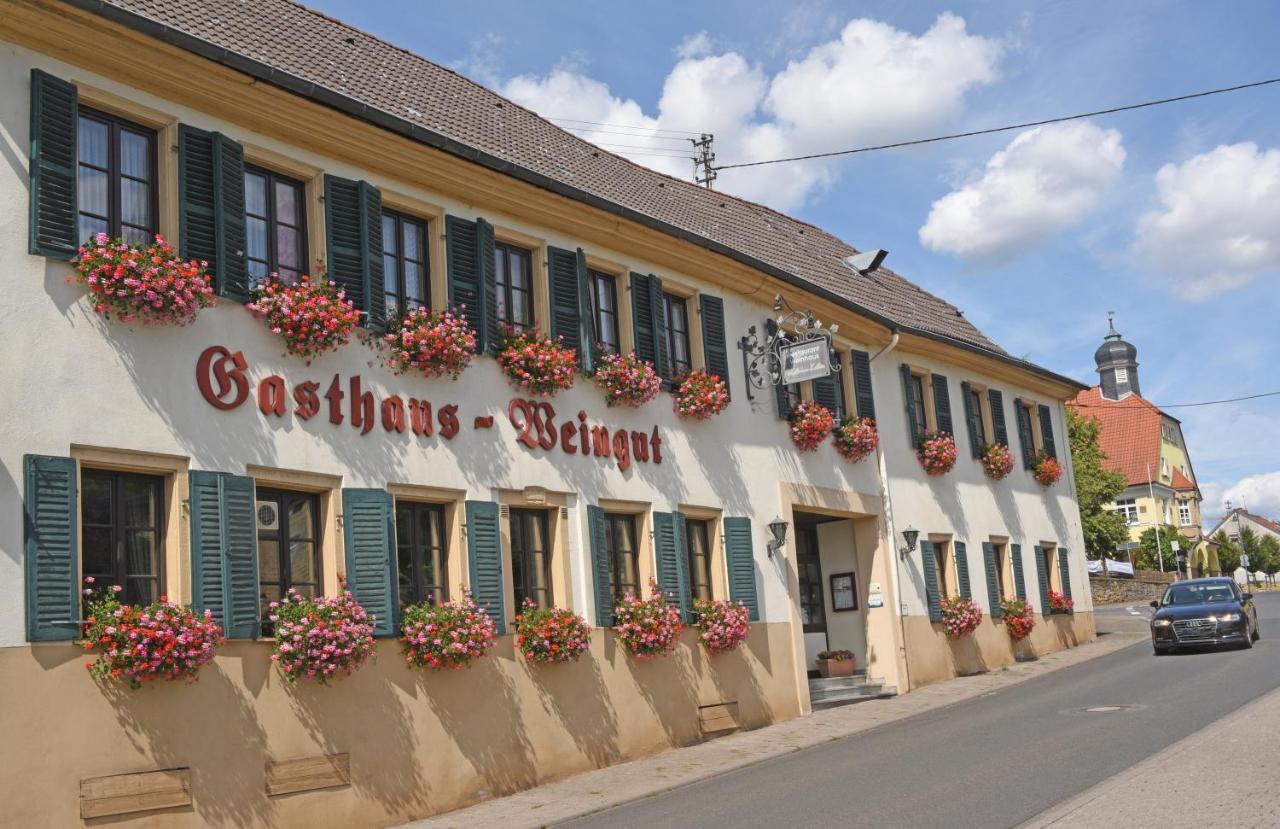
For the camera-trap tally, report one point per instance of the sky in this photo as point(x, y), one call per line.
point(1168, 216)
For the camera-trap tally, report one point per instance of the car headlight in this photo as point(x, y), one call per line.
point(1227, 617)
point(1160, 623)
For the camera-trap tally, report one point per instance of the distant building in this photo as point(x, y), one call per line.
point(1237, 519)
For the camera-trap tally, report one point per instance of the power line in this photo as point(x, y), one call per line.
point(620, 126)
point(681, 138)
point(991, 130)
point(1181, 405)
point(632, 149)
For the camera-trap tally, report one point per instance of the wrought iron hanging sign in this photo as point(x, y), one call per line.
point(795, 348)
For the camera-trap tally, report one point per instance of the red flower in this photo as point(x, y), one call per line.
point(151, 286)
point(856, 438)
point(810, 424)
point(936, 452)
point(1046, 470)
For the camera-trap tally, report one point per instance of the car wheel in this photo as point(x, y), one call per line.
point(1257, 634)
point(1248, 643)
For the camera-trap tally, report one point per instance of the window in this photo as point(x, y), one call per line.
point(121, 534)
point(1049, 561)
point(791, 392)
point(917, 401)
point(274, 225)
point(604, 304)
point(530, 557)
point(1128, 507)
point(1004, 573)
point(1184, 513)
point(1164, 467)
point(116, 172)
point(813, 615)
point(942, 565)
point(620, 547)
point(677, 314)
point(405, 263)
point(288, 546)
point(421, 553)
point(513, 269)
point(698, 545)
point(1025, 427)
point(975, 415)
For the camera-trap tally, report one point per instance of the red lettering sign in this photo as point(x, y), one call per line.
point(228, 370)
point(535, 425)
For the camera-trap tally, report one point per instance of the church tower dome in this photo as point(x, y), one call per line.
point(1117, 364)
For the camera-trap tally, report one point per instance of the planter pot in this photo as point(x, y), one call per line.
point(828, 668)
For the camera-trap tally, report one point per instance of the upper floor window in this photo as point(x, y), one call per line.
point(274, 225)
point(513, 269)
point(1026, 417)
point(288, 545)
point(604, 311)
point(116, 178)
point(405, 263)
point(698, 546)
point(1184, 513)
point(530, 557)
point(917, 400)
point(1128, 507)
point(677, 314)
point(977, 424)
point(421, 553)
point(121, 532)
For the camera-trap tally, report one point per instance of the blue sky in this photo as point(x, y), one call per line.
point(1036, 236)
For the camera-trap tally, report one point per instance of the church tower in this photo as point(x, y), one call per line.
point(1117, 364)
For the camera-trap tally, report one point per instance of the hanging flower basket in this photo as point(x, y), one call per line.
point(810, 424)
point(452, 635)
point(937, 452)
point(312, 315)
point(435, 343)
point(1058, 603)
point(856, 438)
point(722, 625)
point(700, 394)
point(319, 639)
point(535, 362)
point(551, 634)
point(627, 381)
point(1046, 470)
point(1019, 618)
point(960, 616)
point(649, 627)
point(997, 461)
point(141, 644)
point(150, 285)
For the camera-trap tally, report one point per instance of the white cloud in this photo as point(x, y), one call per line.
point(1047, 179)
point(871, 84)
point(1218, 225)
point(1260, 494)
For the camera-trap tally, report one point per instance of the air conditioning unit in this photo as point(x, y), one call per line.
point(268, 513)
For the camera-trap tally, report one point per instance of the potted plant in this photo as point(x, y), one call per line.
point(1046, 469)
point(810, 424)
point(837, 663)
point(936, 452)
point(647, 628)
point(856, 438)
point(551, 634)
point(435, 343)
point(960, 616)
point(997, 461)
point(1018, 618)
point(1059, 603)
point(151, 284)
point(535, 362)
point(722, 625)
point(451, 635)
point(312, 314)
point(319, 639)
point(627, 380)
point(699, 395)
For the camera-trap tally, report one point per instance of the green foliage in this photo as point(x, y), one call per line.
point(1146, 555)
point(1096, 486)
point(1228, 553)
point(1269, 551)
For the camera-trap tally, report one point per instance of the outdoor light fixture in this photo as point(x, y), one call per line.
point(778, 528)
point(867, 261)
point(909, 537)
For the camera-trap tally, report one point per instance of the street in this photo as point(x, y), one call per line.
point(995, 761)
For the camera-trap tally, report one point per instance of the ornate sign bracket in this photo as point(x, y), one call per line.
point(767, 362)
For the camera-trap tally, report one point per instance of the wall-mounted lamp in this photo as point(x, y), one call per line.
point(778, 528)
point(909, 538)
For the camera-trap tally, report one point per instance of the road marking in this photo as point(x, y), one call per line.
point(1133, 611)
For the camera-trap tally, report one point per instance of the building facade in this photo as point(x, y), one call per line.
point(1237, 520)
point(204, 464)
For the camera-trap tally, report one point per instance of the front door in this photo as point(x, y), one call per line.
point(813, 614)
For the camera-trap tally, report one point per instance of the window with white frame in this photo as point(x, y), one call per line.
point(1128, 507)
point(1184, 513)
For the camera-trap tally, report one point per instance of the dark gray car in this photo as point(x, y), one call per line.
point(1203, 612)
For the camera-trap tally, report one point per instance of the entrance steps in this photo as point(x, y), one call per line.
point(837, 691)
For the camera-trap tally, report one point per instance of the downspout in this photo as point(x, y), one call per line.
point(893, 343)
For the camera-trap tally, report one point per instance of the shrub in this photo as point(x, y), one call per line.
point(535, 362)
point(1018, 618)
point(856, 438)
point(551, 634)
point(151, 285)
point(435, 343)
point(312, 315)
point(810, 424)
point(937, 452)
point(627, 381)
point(318, 639)
point(1047, 470)
point(997, 461)
point(960, 616)
point(451, 635)
point(647, 627)
point(700, 394)
point(722, 625)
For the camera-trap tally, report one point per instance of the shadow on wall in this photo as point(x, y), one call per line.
point(671, 685)
point(947, 496)
point(576, 695)
point(735, 680)
point(1008, 507)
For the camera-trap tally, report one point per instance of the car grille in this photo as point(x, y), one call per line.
point(1195, 630)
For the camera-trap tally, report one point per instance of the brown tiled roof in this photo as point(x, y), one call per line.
point(1180, 482)
point(327, 60)
point(1129, 435)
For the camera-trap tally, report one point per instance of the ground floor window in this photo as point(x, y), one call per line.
point(421, 553)
point(530, 557)
point(698, 547)
point(620, 546)
point(813, 616)
point(1049, 561)
point(1004, 572)
point(120, 531)
point(288, 545)
point(942, 566)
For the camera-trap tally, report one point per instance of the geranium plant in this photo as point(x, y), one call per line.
point(551, 634)
point(960, 616)
point(1018, 617)
point(1046, 469)
point(311, 314)
point(1058, 603)
point(836, 655)
point(699, 394)
point(722, 625)
point(150, 284)
point(810, 424)
point(937, 452)
point(649, 627)
point(434, 343)
point(535, 362)
point(856, 438)
point(627, 380)
point(997, 461)
point(450, 635)
point(319, 639)
point(138, 644)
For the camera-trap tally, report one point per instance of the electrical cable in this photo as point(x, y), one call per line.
point(620, 126)
point(1184, 405)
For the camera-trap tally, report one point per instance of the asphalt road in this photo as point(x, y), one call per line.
point(991, 762)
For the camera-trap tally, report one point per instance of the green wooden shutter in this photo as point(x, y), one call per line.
point(928, 563)
point(993, 579)
point(224, 552)
point(914, 428)
point(466, 276)
point(353, 228)
point(211, 207)
point(1046, 432)
point(50, 548)
point(740, 557)
point(972, 418)
point(205, 513)
point(715, 349)
point(53, 225)
point(864, 397)
point(829, 391)
point(565, 295)
point(999, 431)
point(962, 569)
point(658, 313)
point(1015, 557)
point(668, 543)
point(942, 404)
point(484, 560)
point(602, 579)
point(642, 326)
point(1064, 568)
point(368, 535)
point(1043, 577)
point(780, 397)
point(682, 565)
point(488, 284)
point(1025, 441)
point(589, 354)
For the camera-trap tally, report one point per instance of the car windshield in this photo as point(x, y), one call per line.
point(1198, 594)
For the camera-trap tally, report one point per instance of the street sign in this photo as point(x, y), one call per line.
point(805, 360)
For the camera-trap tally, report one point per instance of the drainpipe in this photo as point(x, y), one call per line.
point(893, 343)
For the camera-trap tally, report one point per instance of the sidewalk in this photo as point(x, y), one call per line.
point(593, 791)
point(1227, 774)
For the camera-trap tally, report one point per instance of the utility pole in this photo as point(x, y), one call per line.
point(703, 172)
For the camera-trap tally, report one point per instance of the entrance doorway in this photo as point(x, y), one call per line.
point(832, 589)
point(813, 615)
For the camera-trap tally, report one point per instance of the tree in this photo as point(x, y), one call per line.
point(1269, 550)
point(1146, 555)
point(1228, 553)
point(1250, 547)
point(1096, 486)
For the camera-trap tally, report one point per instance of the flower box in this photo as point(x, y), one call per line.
point(312, 315)
point(1059, 603)
point(627, 380)
point(452, 635)
point(810, 424)
point(1046, 470)
point(835, 664)
point(434, 343)
point(151, 285)
point(722, 625)
point(960, 616)
point(551, 634)
point(936, 452)
point(699, 395)
point(319, 639)
point(1018, 618)
point(856, 438)
point(535, 362)
point(997, 461)
point(647, 628)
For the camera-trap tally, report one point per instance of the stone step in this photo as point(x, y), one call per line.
point(883, 692)
point(859, 676)
point(861, 689)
